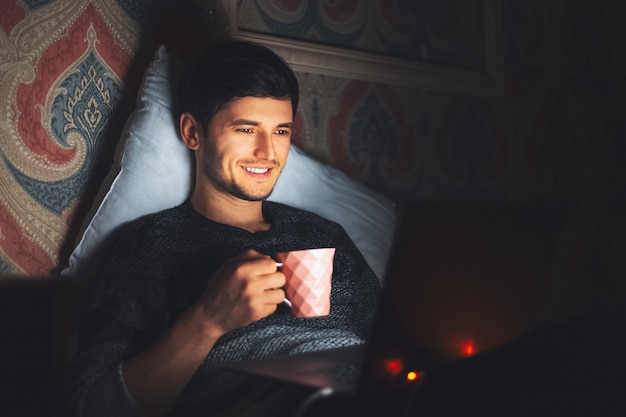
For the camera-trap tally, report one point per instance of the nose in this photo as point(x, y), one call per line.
point(264, 146)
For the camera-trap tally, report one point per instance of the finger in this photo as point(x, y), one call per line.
point(274, 296)
point(249, 269)
point(266, 284)
point(264, 265)
point(274, 280)
point(267, 265)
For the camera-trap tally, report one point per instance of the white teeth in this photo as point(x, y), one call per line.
point(256, 170)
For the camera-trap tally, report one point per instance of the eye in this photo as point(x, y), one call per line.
point(282, 132)
point(245, 130)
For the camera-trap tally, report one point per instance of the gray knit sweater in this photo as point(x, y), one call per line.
point(161, 265)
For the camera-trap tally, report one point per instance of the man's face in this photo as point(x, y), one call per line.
point(247, 146)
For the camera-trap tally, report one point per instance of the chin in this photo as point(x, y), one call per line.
point(255, 194)
point(254, 197)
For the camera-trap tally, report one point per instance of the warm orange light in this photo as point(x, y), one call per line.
point(412, 376)
point(468, 348)
point(393, 366)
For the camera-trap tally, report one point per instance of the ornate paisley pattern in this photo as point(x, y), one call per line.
point(432, 30)
point(61, 74)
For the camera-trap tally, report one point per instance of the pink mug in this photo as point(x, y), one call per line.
point(308, 274)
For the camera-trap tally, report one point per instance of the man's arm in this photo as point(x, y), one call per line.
point(244, 290)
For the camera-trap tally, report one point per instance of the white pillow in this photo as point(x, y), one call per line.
point(153, 170)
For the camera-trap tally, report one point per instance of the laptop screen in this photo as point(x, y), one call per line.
point(462, 279)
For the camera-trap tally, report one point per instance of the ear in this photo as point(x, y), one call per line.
point(190, 131)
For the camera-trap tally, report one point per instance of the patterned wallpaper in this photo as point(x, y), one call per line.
point(553, 134)
point(404, 28)
point(69, 70)
point(61, 70)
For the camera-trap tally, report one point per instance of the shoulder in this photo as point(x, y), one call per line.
point(159, 226)
point(171, 217)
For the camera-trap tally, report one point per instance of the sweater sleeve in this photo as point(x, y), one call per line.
point(109, 396)
point(125, 316)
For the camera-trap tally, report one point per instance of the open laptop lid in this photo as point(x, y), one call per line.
point(462, 278)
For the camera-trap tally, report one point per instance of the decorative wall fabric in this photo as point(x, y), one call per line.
point(64, 67)
point(554, 133)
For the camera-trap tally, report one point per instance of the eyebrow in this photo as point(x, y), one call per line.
point(240, 122)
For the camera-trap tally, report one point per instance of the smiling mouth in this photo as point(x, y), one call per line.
point(257, 170)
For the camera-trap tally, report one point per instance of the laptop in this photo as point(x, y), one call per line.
point(463, 281)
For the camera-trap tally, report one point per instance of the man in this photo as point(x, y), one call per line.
point(191, 288)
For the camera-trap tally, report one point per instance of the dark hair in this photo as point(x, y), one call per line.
point(235, 69)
